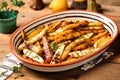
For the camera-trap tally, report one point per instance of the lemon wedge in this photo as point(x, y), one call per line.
point(58, 5)
point(102, 41)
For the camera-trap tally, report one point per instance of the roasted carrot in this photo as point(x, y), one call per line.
point(74, 43)
point(99, 35)
point(62, 41)
point(67, 37)
point(70, 26)
point(80, 47)
point(54, 26)
point(34, 32)
point(97, 24)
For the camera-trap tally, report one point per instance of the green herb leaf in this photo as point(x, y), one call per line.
point(20, 3)
point(4, 5)
point(17, 68)
point(14, 2)
point(55, 47)
point(36, 57)
point(62, 26)
point(17, 3)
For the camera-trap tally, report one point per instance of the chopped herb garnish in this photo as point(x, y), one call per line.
point(17, 68)
point(62, 26)
point(3, 73)
point(77, 21)
point(54, 45)
point(36, 56)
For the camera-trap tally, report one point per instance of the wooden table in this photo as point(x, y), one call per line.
point(106, 70)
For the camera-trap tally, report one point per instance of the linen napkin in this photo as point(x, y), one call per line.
point(97, 60)
point(6, 66)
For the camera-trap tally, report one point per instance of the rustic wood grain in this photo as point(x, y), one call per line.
point(103, 71)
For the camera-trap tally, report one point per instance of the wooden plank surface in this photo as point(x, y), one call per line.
point(106, 70)
point(103, 71)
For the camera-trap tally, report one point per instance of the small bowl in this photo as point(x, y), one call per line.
point(28, 27)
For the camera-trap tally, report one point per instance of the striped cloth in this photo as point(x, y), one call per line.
point(6, 66)
point(97, 60)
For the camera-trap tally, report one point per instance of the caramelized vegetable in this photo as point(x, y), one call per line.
point(81, 53)
point(99, 35)
point(48, 54)
point(33, 55)
point(80, 47)
point(34, 39)
point(74, 43)
point(57, 55)
point(63, 41)
point(96, 24)
point(35, 49)
point(54, 26)
point(34, 32)
point(38, 36)
point(68, 36)
point(70, 26)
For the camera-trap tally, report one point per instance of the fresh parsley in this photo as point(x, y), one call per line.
point(17, 68)
point(4, 7)
point(17, 3)
point(54, 45)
